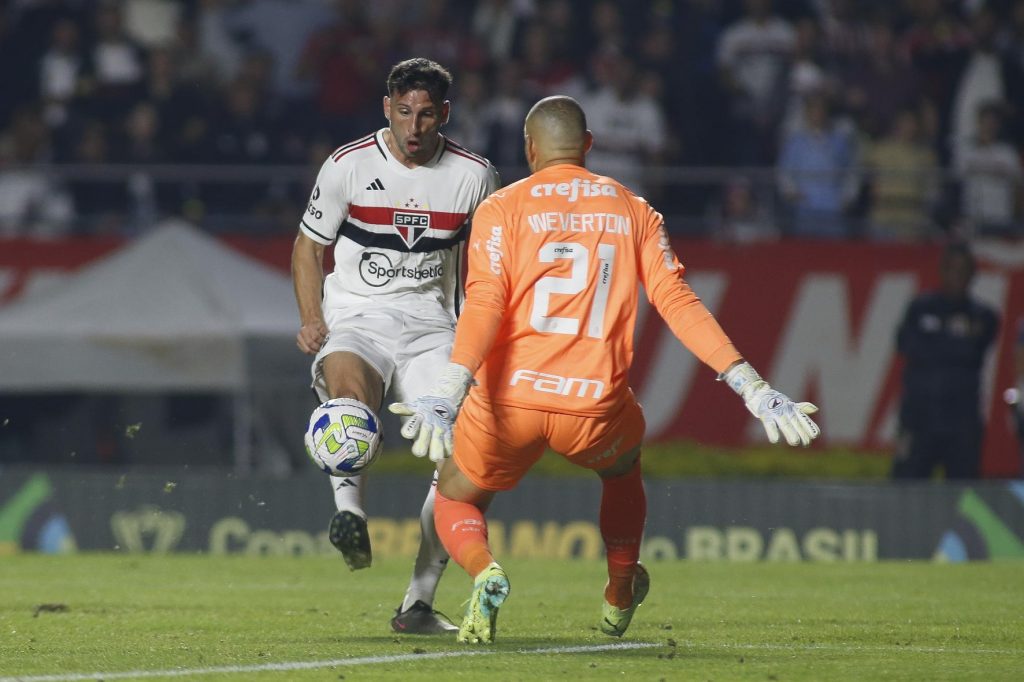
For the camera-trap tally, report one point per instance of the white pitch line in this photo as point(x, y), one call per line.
point(844, 647)
point(314, 665)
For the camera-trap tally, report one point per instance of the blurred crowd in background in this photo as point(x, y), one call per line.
point(739, 119)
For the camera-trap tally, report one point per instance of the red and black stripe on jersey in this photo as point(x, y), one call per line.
point(384, 216)
point(362, 142)
point(318, 234)
point(391, 240)
point(459, 150)
point(359, 227)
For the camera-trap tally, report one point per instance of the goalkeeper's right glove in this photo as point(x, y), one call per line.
point(432, 416)
point(776, 411)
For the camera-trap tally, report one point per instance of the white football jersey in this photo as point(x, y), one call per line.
point(398, 232)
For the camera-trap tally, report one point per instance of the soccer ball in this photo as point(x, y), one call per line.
point(343, 437)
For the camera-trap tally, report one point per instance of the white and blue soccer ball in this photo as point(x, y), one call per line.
point(343, 437)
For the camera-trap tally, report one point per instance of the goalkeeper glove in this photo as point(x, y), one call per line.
point(432, 416)
point(776, 411)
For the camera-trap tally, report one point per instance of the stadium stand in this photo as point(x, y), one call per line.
point(120, 112)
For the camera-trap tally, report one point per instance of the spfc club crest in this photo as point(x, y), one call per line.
point(411, 225)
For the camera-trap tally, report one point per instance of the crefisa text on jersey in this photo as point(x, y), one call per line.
point(555, 221)
point(574, 190)
point(493, 245)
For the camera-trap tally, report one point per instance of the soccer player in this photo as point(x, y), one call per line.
point(555, 265)
point(397, 205)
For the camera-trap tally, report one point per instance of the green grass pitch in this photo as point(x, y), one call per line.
point(133, 616)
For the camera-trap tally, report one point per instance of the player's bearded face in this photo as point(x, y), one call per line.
point(415, 122)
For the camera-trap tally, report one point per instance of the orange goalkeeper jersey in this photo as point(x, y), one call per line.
point(556, 262)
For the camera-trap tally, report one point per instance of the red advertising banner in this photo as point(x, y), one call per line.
point(818, 320)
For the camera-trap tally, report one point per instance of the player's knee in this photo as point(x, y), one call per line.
point(625, 464)
point(347, 375)
point(453, 484)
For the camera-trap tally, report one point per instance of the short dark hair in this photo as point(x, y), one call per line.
point(419, 73)
point(564, 112)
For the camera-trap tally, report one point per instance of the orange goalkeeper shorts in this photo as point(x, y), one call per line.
point(495, 445)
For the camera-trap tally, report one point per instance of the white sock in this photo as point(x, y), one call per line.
point(431, 559)
point(348, 494)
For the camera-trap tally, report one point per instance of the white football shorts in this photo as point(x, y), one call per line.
point(407, 351)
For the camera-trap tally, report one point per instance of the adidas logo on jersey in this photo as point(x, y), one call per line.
point(376, 184)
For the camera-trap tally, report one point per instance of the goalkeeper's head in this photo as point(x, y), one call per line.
point(556, 132)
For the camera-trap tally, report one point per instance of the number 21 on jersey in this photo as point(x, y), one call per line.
point(574, 284)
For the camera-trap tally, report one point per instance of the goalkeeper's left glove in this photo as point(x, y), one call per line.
point(432, 416)
point(776, 411)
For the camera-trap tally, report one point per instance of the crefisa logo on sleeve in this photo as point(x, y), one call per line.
point(411, 225)
point(493, 245)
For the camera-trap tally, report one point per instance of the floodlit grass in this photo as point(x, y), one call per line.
point(708, 621)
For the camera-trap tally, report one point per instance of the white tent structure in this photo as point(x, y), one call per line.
point(172, 311)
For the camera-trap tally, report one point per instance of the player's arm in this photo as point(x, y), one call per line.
point(487, 287)
point(488, 283)
point(433, 415)
point(692, 323)
point(906, 330)
point(317, 229)
point(308, 280)
point(695, 326)
point(490, 183)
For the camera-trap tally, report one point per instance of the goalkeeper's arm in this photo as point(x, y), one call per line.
point(698, 330)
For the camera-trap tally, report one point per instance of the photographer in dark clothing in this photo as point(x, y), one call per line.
point(1014, 397)
point(943, 338)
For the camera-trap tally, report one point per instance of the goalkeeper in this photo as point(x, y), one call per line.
point(555, 265)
